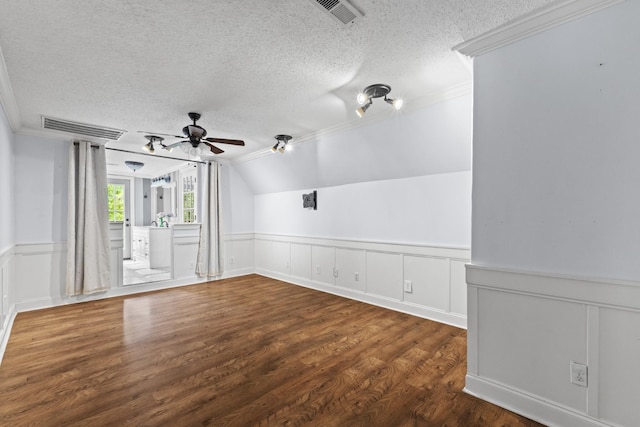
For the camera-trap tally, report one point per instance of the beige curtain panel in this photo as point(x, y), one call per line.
point(88, 269)
point(210, 253)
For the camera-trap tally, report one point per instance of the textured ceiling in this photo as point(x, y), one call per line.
point(254, 69)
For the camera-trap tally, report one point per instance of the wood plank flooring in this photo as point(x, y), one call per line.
point(237, 352)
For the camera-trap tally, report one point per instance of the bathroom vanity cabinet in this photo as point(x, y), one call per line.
point(152, 244)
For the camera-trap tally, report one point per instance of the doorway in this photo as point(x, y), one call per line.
point(118, 191)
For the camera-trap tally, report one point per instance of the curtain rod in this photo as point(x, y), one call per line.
point(152, 155)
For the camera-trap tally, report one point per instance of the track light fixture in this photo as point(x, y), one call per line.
point(152, 139)
point(365, 98)
point(282, 143)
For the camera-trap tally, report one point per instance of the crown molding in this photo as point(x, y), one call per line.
point(455, 91)
point(534, 22)
point(7, 99)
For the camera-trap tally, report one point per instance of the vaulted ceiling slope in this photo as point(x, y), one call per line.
point(253, 69)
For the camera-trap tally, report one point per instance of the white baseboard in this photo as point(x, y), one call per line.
point(527, 405)
point(5, 332)
point(237, 273)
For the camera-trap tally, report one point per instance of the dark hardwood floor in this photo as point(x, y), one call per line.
point(237, 352)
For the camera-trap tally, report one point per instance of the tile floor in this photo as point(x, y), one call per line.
point(136, 272)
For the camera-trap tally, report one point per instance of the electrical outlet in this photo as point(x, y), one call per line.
point(579, 374)
point(232, 260)
point(318, 269)
point(335, 272)
point(408, 286)
point(193, 265)
point(357, 277)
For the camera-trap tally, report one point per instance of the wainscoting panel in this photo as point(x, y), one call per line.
point(618, 373)
point(7, 295)
point(301, 261)
point(40, 274)
point(426, 276)
point(351, 269)
point(323, 263)
point(372, 272)
point(527, 329)
point(239, 254)
point(384, 271)
point(280, 257)
point(458, 287)
point(262, 256)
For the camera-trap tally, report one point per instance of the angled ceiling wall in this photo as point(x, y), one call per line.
point(432, 140)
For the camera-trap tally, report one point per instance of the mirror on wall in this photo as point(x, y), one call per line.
point(161, 186)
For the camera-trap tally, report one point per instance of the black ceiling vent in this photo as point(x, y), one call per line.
point(81, 128)
point(340, 10)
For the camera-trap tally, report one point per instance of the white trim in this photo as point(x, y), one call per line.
point(593, 359)
point(601, 292)
point(537, 21)
point(526, 404)
point(452, 252)
point(5, 332)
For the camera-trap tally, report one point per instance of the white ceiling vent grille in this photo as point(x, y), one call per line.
point(340, 10)
point(81, 128)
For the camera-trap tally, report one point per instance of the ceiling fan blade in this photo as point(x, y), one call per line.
point(214, 149)
point(163, 134)
point(226, 141)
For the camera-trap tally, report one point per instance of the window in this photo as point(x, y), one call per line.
point(189, 197)
point(115, 194)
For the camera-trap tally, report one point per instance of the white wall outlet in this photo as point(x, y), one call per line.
point(357, 277)
point(408, 286)
point(335, 272)
point(232, 260)
point(318, 269)
point(578, 374)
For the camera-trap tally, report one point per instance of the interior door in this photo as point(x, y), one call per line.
point(119, 210)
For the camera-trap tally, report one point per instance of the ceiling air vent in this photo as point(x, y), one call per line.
point(81, 128)
point(340, 10)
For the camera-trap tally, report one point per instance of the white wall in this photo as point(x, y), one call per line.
point(7, 227)
point(556, 150)
point(394, 204)
point(555, 275)
point(41, 173)
point(427, 210)
point(7, 236)
point(237, 202)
